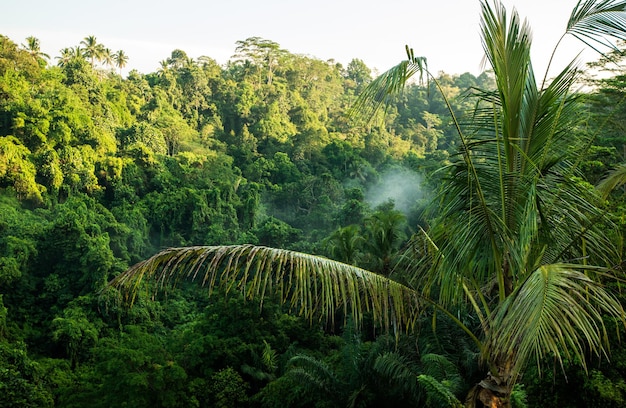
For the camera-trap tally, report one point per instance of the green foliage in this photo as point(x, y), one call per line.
point(98, 172)
point(19, 234)
point(21, 380)
point(437, 394)
point(3, 319)
point(76, 248)
point(518, 397)
point(75, 332)
point(227, 389)
point(132, 368)
point(17, 171)
point(276, 233)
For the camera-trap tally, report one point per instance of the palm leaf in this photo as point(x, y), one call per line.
point(387, 85)
point(612, 181)
point(511, 202)
point(507, 47)
point(309, 284)
point(592, 21)
point(558, 311)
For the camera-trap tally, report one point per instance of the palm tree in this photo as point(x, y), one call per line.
point(92, 49)
point(34, 48)
point(383, 235)
point(427, 380)
point(65, 57)
point(107, 57)
point(121, 59)
point(512, 236)
point(344, 244)
point(164, 66)
point(68, 54)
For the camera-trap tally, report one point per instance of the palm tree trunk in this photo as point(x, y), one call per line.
point(494, 391)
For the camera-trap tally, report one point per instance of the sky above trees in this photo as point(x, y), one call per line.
point(446, 32)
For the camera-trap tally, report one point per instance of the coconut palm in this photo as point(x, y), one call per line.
point(512, 236)
point(92, 49)
point(65, 57)
point(121, 59)
point(383, 235)
point(344, 244)
point(107, 57)
point(68, 54)
point(34, 48)
point(512, 226)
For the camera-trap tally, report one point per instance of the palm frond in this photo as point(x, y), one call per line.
point(311, 285)
point(556, 113)
point(507, 47)
point(387, 85)
point(613, 180)
point(594, 21)
point(559, 311)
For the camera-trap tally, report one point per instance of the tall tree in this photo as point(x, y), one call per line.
point(512, 236)
point(107, 57)
point(358, 72)
point(64, 57)
point(34, 48)
point(261, 52)
point(92, 49)
point(513, 225)
point(344, 244)
point(121, 59)
point(67, 54)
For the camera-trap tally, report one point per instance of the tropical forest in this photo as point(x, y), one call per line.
point(284, 231)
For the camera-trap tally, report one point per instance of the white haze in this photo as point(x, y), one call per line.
point(402, 186)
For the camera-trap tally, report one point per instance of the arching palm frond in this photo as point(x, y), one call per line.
point(387, 85)
point(592, 21)
point(558, 311)
point(613, 180)
point(309, 284)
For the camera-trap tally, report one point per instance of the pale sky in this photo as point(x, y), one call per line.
point(444, 31)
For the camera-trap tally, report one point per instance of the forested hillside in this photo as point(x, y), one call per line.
point(100, 171)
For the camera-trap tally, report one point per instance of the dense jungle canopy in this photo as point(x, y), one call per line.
point(99, 172)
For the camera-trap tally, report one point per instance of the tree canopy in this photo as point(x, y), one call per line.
point(452, 251)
